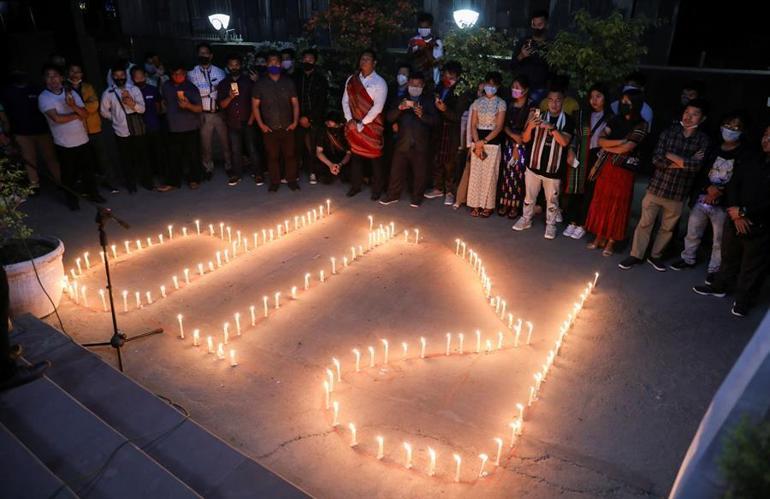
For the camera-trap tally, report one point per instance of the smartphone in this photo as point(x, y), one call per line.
point(234, 87)
point(409, 103)
point(180, 94)
point(537, 114)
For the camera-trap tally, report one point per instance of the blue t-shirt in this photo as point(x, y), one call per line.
point(181, 120)
point(151, 96)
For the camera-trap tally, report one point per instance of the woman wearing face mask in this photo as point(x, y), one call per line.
point(708, 203)
point(613, 192)
point(514, 157)
point(332, 148)
point(478, 187)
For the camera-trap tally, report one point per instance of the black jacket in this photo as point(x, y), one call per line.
point(313, 95)
point(749, 189)
point(414, 133)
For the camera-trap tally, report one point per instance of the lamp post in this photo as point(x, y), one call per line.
point(465, 18)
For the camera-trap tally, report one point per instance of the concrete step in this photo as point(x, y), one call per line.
point(80, 449)
point(35, 481)
point(207, 464)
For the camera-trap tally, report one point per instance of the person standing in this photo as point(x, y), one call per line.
point(183, 105)
point(529, 56)
point(234, 95)
point(66, 114)
point(206, 77)
point(276, 110)
point(363, 100)
point(511, 195)
point(450, 105)
point(426, 49)
point(288, 55)
point(416, 116)
point(548, 138)
point(678, 158)
point(746, 242)
point(709, 202)
point(312, 93)
point(29, 128)
point(154, 137)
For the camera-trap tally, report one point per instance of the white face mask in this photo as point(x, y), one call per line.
point(490, 90)
point(287, 64)
point(415, 91)
point(423, 32)
point(730, 135)
point(402, 79)
point(687, 127)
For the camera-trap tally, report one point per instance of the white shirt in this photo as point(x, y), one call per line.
point(110, 108)
point(376, 88)
point(129, 81)
point(70, 134)
point(206, 80)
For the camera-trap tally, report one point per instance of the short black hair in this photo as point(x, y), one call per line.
point(737, 114)
point(334, 115)
point(424, 17)
point(601, 88)
point(453, 67)
point(522, 79)
point(417, 75)
point(262, 54)
point(51, 67)
point(118, 67)
point(494, 76)
point(177, 65)
point(290, 51)
point(369, 51)
point(310, 51)
point(234, 56)
point(272, 53)
point(72, 64)
point(403, 64)
point(201, 45)
point(539, 13)
point(700, 104)
point(636, 77)
point(557, 90)
point(135, 68)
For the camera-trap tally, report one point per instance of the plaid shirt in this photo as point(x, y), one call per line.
point(668, 181)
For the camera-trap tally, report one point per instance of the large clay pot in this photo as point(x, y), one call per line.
point(26, 294)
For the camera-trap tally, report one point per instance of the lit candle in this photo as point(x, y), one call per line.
point(227, 256)
point(222, 231)
point(184, 231)
point(529, 332)
point(233, 360)
point(296, 222)
point(327, 394)
point(245, 245)
point(138, 298)
point(125, 300)
point(337, 368)
point(264, 236)
point(220, 351)
point(499, 340)
point(176, 282)
point(371, 222)
point(279, 229)
point(307, 281)
point(322, 278)
point(196, 337)
point(531, 395)
point(315, 215)
point(457, 249)
point(294, 292)
point(448, 343)
point(352, 252)
point(499, 442)
point(405, 348)
point(385, 346)
point(334, 265)
point(252, 311)
point(488, 344)
point(517, 329)
point(371, 356)
point(181, 327)
point(114, 251)
point(360, 250)
point(432, 463)
point(187, 276)
point(484, 459)
point(416, 236)
point(127, 246)
point(200, 269)
point(148, 295)
point(336, 407)
point(423, 342)
point(264, 302)
point(596, 278)
point(513, 432)
point(210, 344)
point(160, 238)
point(256, 240)
point(88, 262)
point(330, 378)
point(198, 226)
point(219, 258)
point(170, 232)
point(357, 353)
point(502, 313)
point(461, 337)
point(464, 247)
point(163, 290)
point(277, 300)
point(478, 341)
point(77, 262)
point(83, 293)
point(408, 452)
point(271, 235)
point(353, 441)
point(286, 226)
point(104, 301)
point(380, 447)
point(237, 323)
point(458, 463)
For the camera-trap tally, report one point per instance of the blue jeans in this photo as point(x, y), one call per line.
point(700, 216)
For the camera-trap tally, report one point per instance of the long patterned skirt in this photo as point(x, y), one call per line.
point(511, 195)
point(611, 204)
point(482, 179)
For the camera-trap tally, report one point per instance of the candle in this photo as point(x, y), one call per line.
point(198, 226)
point(271, 235)
point(357, 353)
point(328, 207)
point(464, 247)
point(488, 344)
point(380, 446)
point(502, 314)
point(327, 392)
point(286, 226)
point(227, 256)
point(531, 395)
point(170, 232)
point(360, 250)
point(148, 295)
point(163, 290)
point(336, 420)
point(184, 231)
point(83, 293)
point(315, 215)
point(322, 278)
point(264, 302)
point(353, 441)
point(352, 252)
point(253, 315)
point(307, 281)
point(458, 463)
point(513, 432)
point(296, 222)
point(385, 346)
point(530, 326)
point(277, 300)
point(220, 351)
point(256, 239)
point(330, 378)
point(432, 463)
point(222, 231)
point(200, 269)
point(408, 451)
point(210, 344)
point(211, 230)
point(510, 321)
point(278, 229)
point(337, 368)
point(499, 442)
point(478, 341)
point(196, 337)
point(127, 246)
point(371, 222)
point(448, 343)
point(334, 265)
point(104, 301)
point(77, 262)
point(294, 292)
point(596, 278)
point(461, 337)
point(457, 249)
point(245, 245)
point(114, 251)
point(181, 327)
point(138, 244)
point(422, 347)
point(233, 360)
point(484, 459)
point(88, 262)
point(138, 299)
point(416, 236)
point(237, 323)
point(405, 348)
point(125, 300)
point(187, 276)
point(76, 292)
point(264, 236)
point(371, 356)
point(517, 329)
point(160, 238)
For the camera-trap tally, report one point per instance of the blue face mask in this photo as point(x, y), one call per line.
point(274, 70)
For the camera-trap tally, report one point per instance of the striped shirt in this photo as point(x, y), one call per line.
point(547, 156)
point(676, 183)
point(207, 79)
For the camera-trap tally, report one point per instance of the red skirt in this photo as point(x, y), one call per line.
point(611, 204)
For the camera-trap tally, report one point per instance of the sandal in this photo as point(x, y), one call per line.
point(486, 213)
point(475, 212)
point(502, 211)
point(608, 249)
point(595, 244)
point(513, 215)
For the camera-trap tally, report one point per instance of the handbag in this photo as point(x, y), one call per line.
point(135, 121)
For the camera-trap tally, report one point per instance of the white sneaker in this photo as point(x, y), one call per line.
point(550, 232)
point(313, 179)
point(559, 217)
point(522, 224)
point(569, 230)
point(578, 233)
point(449, 200)
point(284, 181)
point(433, 194)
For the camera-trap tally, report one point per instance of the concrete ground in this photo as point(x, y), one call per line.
point(614, 418)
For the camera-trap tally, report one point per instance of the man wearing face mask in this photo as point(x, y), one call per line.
point(287, 60)
point(312, 92)
point(426, 49)
point(416, 116)
point(123, 60)
point(206, 77)
point(154, 70)
point(678, 158)
point(528, 56)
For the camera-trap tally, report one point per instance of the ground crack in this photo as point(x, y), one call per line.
point(292, 440)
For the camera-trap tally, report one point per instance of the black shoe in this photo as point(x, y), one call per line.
point(352, 192)
point(386, 201)
point(294, 186)
point(375, 196)
point(207, 176)
point(24, 374)
point(273, 187)
point(739, 310)
point(680, 264)
point(233, 181)
point(415, 204)
point(259, 180)
point(657, 263)
point(710, 279)
point(629, 262)
point(706, 290)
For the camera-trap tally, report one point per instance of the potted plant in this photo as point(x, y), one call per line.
point(33, 265)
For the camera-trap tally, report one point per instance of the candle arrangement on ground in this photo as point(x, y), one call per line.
point(518, 333)
point(236, 243)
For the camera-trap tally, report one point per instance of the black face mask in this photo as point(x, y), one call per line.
point(308, 66)
point(625, 109)
point(204, 60)
point(538, 31)
point(235, 74)
point(119, 81)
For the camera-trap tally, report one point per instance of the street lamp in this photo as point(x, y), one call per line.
point(219, 21)
point(465, 18)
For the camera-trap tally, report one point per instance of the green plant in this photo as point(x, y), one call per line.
point(13, 192)
point(745, 460)
point(599, 49)
point(479, 50)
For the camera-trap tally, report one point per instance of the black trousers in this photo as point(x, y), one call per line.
point(305, 143)
point(279, 144)
point(244, 139)
point(745, 262)
point(404, 162)
point(77, 162)
point(133, 161)
point(357, 164)
point(156, 154)
point(184, 158)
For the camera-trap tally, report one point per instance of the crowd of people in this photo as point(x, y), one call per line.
point(515, 151)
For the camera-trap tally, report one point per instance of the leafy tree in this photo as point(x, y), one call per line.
point(745, 460)
point(479, 50)
point(599, 49)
